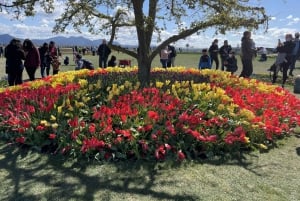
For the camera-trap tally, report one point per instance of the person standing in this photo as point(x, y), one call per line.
point(285, 49)
point(32, 59)
point(45, 59)
point(295, 53)
point(213, 53)
point(1, 51)
point(14, 55)
point(247, 54)
point(172, 55)
point(103, 52)
point(54, 57)
point(224, 53)
point(164, 56)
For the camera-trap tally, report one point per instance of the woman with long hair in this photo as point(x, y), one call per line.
point(32, 60)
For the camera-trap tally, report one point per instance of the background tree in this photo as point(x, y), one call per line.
point(148, 19)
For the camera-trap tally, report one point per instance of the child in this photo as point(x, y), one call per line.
point(231, 63)
point(66, 61)
point(55, 65)
point(113, 61)
point(205, 61)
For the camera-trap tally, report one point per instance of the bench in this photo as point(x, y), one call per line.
point(124, 62)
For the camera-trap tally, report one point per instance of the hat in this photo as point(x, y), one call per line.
point(204, 50)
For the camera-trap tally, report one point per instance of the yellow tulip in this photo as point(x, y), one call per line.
point(59, 109)
point(44, 122)
point(247, 140)
point(52, 118)
point(262, 146)
point(54, 126)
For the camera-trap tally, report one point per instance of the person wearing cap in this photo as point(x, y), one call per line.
point(295, 53)
point(205, 61)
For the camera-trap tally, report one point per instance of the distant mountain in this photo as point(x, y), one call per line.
point(5, 39)
point(59, 40)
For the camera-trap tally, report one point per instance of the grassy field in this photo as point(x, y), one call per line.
point(274, 176)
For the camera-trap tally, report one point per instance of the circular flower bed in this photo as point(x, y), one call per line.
point(185, 113)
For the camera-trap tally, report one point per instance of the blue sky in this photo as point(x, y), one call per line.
point(285, 19)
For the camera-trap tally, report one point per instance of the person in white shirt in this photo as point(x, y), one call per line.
point(164, 56)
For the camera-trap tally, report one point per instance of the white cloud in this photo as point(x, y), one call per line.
point(41, 26)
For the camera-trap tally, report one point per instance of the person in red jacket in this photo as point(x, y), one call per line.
point(32, 59)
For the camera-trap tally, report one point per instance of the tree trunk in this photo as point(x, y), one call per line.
point(144, 67)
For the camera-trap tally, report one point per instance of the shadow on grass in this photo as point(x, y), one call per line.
point(32, 176)
point(28, 175)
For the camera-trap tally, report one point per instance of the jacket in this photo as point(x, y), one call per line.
point(247, 49)
point(14, 55)
point(33, 59)
point(104, 51)
point(205, 62)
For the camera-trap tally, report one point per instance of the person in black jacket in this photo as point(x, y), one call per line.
point(248, 52)
point(213, 53)
point(103, 52)
point(286, 50)
point(224, 53)
point(45, 59)
point(113, 61)
point(231, 63)
point(172, 55)
point(14, 55)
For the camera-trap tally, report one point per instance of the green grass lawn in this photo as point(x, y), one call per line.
point(274, 175)
point(26, 175)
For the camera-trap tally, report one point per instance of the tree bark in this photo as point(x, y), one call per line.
point(144, 68)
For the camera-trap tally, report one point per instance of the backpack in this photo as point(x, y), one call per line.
point(87, 64)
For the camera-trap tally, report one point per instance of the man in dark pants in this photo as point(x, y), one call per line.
point(214, 53)
point(103, 52)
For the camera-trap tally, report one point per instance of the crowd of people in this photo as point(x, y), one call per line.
point(287, 54)
point(26, 55)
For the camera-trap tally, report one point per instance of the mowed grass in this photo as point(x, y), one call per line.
point(273, 176)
